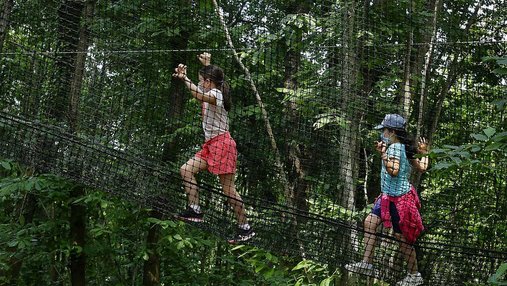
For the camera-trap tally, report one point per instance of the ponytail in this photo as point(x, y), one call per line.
point(406, 139)
point(216, 75)
point(226, 89)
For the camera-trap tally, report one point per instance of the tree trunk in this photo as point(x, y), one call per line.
point(428, 54)
point(77, 235)
point(297, 181)
point(74, 36)
point(349, 140)
point(4, 21)
point(444, 90)
point(15, 263)
point(297, 185)
point(451, 78)
point(282, 174)
point(406, 93)
point(178, 99)
point(349, 133)
point(151, 269)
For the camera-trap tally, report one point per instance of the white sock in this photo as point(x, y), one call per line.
point(196, 208)
point(245, 226)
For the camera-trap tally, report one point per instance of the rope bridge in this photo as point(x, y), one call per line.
point(86, 93)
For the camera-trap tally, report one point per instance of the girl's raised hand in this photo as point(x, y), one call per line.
point(205, 58)
point(180, 72)
point(380, 146)
point(422, 145)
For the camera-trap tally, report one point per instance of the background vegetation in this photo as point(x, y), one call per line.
point(325, 73)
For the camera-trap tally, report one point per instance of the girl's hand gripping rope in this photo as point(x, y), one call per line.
point(381, 146)
point(180, 72)
point(422, 146)
point(205, 58)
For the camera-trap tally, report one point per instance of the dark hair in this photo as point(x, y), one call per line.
point(406, 139)
point(216, 75)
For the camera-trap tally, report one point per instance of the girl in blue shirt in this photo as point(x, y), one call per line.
point(397, 156)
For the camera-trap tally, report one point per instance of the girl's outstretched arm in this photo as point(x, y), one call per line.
point(181, 73)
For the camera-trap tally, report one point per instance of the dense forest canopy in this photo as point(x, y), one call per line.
point(94, 129)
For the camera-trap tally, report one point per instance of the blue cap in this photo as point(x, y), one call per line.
point(393, 121)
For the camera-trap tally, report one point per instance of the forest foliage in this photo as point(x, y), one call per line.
point(326, 72)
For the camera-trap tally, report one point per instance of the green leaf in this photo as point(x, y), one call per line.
point(6, 165)
point(457, 160)
point(327, 281)
point(442, 165)
point(329, 118)
point(494, 146)
point(270, 273)
point(499, 277)
point(269, 256)
point(500, 71)
point(286, 91)
point(475, 148)
point(238, 247)
point(480, 137)
point(452, 147)
point(463, 154)
point(489, 59)
point(12, 243)
point(489, 132)
point(154, 220)
point(302, 264)
point(28, 185)
point(502, 136)
point(499, 104)
point(259, 268)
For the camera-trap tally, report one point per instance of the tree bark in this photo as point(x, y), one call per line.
point(296, 195)
point(151, 269)
point(177, 99)
point(77, 235)
point(349, 132)
point(5, 21)
point(451, 78)
point(278, 161)
point(74, 65)
point(27, 211)
point(349, 140)
point(427, 62)
point(406, 93)
point(297, 172)
point(427, 53)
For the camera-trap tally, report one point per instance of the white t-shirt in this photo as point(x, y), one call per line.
point(214, 121)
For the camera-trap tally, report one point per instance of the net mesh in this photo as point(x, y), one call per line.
point(87, 93)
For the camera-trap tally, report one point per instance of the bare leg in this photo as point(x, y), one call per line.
point(370, 226)
point(409, 254)
point(188, 172)
point(234, 199)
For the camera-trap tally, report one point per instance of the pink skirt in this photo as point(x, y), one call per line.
point(220, 154)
